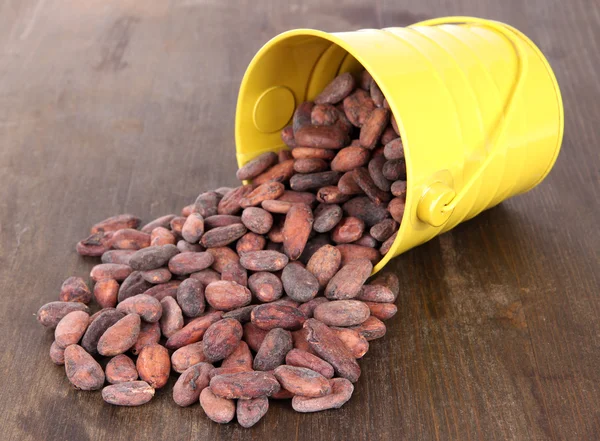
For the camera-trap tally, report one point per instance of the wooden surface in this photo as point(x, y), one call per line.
point(110, 106)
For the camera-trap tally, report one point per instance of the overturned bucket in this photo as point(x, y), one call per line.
point(477, 104)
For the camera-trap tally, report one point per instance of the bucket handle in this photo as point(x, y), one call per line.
point(439, 200)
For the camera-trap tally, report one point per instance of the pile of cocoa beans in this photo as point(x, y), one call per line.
point(253, 292)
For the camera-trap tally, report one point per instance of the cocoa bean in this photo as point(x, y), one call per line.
point(348, 185)
point(239, 358)
point(276, 233)
point(152, 257)
point(300, 358)
point(310, 165)
point(299, 339)
point(323, 115)
point(358, 106)
point(395, 125)
point(163, 290)
point(227, 295)
point(327, 345)
point(221, 220)
point(119, 337)
point(187, 263)
point(191, 383)
point(131, 393)
point(264, 260)
point(97, 327)
point(244, 385)
point(273, 349)
point(129, 239)
point(282, 395)
point(383, 311)
point(324, 137)
point(256, 166)
point(51, 313)
point(300, 284)
point(190, 297)
point(193, 331)
point(249, 412)
point(384, 229)
point(279, 207)
point(222, 236)
point(350, 158)
point(356, 343)
point(309, 307)
point(134, 284)
point(235, 273)
point(388, 280)
point(71, 328)
point(117, 256)
point(121, 369)
point(314, 181)
point(363, 180)
point(313, 153)
point(371, 329)
point(154, 365)
point(222, 258)
point(388, 135)
point(110, 271)
point(162, 221)
point(242, 314)
point(313, 244)
point(217, 409)
point(265, 286)
point(205, 276)
point(177, 224)
point(172, 317)
point(254, 336)
point(376, 293)
point(396, 209)
point(347, 282)
point(399, 189)
point(57, 354)
point(341, 392)
point(82, 370)
point(193, 228)
point(376, 94)
point(395, 169)
point(74, 289)
point(342, 312)
point(373, 127)
point(365, 80)
point(287, 136)
point(281, 172)
point(363, 208)
point(296, 229)
point(157, 276)
point(95, 245)
point(375, 169)
point(230, 204)
point(351, 252)
point(302, 381)
point(221, 339)
point(267, 191)
point(394, 150)
point(366, 240)
point(273, 315)
point(302, 115)
point(147, 307)
point(187, 356)
point(162, 236)
point(257, 220)
point(337, 90)
point(331, 194)
point(206, 204)
point(115, 223)
point(149, 334)
point(348, 230)
point(251, 242)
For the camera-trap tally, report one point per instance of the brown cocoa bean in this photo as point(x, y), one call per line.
point(154, 365)
point(376, 94)
point(327, 345)
point(300, 197)
point(221, 220)
point(363, 208)
point(171, 320)
point(282, 395)
point(121, 336)
point(300, 358)
point(383, 311)
point(339, 88)
point(149, 334)
point(147, 307)
point(281, 172)
point(177, 224)
point(265, 286)
point(162, 221)
point(348, 281)
point(376, 293)
point(121, 369)
point(309, 307)
point(356, 343)
point(57, 354)
point(257, 220)
point(350, 158)
point(110, 271)
point(206, 204)
point(351, 252)
point(384, 229)
point(187, 356)
point(221, 339)
point(366, 240)
point(273, 315)
point(187, 263)
point(235, 273)
point(314, 181)
point(168, 289)
point(114, 223)
point(396, 209)
point(365, 80)
point(399, 189)
point(371, 329)
point(363, 180)
point(287, 136)
point(205, 276)
point(313, 153)
point(348, 185)
point(222, 258)
point(82, 370)
point(326, 217)
point(74, 289)
point(244, 385)
point(162, 236)
point(71, 328)
point(331, 194)
point(373, 127)
point(310, 165)
point(296, 229)
point(300, 340)
point(276, 233)
point(242, 314)
point(222, 236)
point(395, 125)
point(95, 245)
point(97, 327)
point(267, 191)
point(190, 297)
point(51, 313)
point(129, 239)
point(279, 207)
point(157, 276)
point(191, 383)
point(300, 284)
point(313, 244)
point(302, 115)
point(217, 409)
point(256, 166)
point(325, 137)
point(249, 412)
point(193, 331)
point(222, 191)
point(395, 169)
point(264, 260)
point(394, 150)
point(342, 313)
point(388, 280)
point(254, 336)
point(227, 295)
point(241, 358)
point(193, 228)
point(348, 230)
point(388, 135)
point(273, 349)
point(302, 381)
point(358, 106)
point(341, 392)
point(131, 393)
point(152, 257)
point(250, 242)
point(323, 115)
point(375, 169)
point(230, 204)
point(286, 301)
point(118, 256)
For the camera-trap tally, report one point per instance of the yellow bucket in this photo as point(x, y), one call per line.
point(477, 104)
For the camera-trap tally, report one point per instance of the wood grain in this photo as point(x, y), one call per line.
point(110, 106)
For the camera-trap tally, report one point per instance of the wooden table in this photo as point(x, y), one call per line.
point(110, 106)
